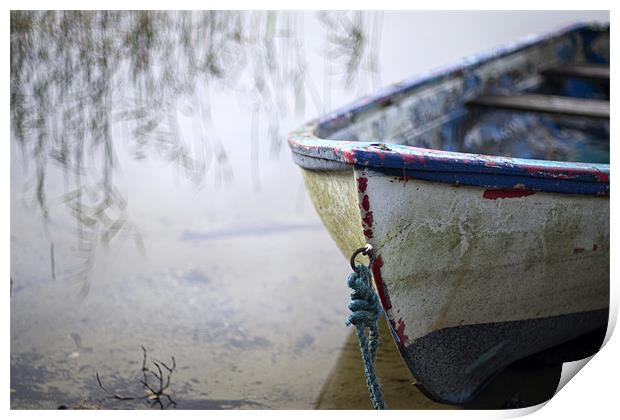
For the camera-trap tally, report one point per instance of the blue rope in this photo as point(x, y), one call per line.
point(365, 311)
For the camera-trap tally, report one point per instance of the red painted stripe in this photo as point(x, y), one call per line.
point(376, 274)
point(602, 177)
point(494, 194)
point(362, 183)
point(365, 203)
point(400, 330)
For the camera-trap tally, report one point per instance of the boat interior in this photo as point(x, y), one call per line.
point(549, 101)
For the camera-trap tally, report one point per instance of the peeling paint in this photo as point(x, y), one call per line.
point(435, 101)
point(362, 183)
point(365, 204)
point(494, 194)
point(377, 264)
point(399, 327)
point(481, 253)
point(446, 249)
point(367, 219)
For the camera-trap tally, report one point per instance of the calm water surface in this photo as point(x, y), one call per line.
point(154, 202)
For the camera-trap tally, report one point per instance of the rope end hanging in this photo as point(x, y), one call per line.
point(365, 313)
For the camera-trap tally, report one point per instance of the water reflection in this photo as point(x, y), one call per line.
point(348, 39)
point(147, 180)
point(522, 384)
point(88, 85)
point(345, 387)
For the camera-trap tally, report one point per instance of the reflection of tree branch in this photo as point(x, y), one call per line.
point(137, 65)
point(350, 44)
point(52, 261)
point(100, 215)
point(76, 75)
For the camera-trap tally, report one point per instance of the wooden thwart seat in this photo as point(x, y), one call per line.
point(581, 71)
point(547, 104)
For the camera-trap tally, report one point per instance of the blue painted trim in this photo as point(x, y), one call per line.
point(495, 181)
point(448, 167)
point(457, 168)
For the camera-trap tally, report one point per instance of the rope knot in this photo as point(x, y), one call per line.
point(364, 306)
point(365, 313)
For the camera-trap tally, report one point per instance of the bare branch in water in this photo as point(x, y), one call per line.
point(153, 394)
point(113, 395)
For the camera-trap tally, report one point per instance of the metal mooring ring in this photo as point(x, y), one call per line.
point(365, 250)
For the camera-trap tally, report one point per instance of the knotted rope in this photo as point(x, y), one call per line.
point(365, 312)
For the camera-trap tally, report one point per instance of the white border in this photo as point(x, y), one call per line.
point(592, 394)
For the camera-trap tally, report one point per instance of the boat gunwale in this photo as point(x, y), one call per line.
point(341, 116)
point(446, 166)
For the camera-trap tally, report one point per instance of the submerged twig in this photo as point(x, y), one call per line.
point(113, 395)
point(154, 395)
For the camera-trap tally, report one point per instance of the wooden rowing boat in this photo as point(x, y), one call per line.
point(484, 191)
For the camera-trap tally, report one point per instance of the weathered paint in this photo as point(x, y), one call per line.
point(518, 253)
point(427, 105)
point(494, 194)
point(377, 264)
point(450, 258)
point(444, 258)
point(460, 168)
point(561, 46)
point(334, 196)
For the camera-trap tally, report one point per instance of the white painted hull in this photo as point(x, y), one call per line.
point(489, 225)
point(446, 257)
point(451, 257)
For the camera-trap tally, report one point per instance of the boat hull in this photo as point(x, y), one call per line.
point(471, 279)
point(484, 191)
